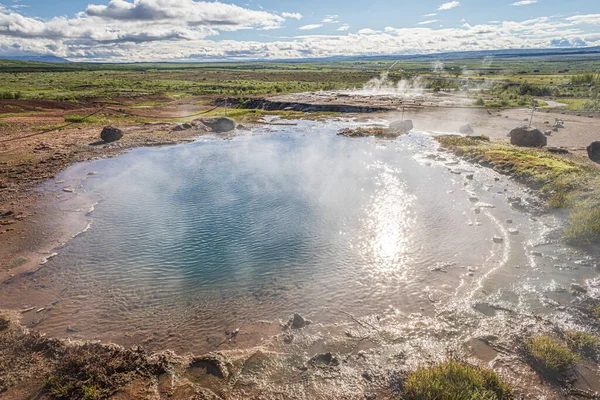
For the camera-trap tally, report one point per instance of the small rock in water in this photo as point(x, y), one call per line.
point(498, 239)
point(92, 173)
point(324, 359)
point(68, 190)
point(298, 322)
point(575, 287)
point(466, 129)
point(513, 231)
point(469, 176)
point(536, 253)
point(509, 221)
point(403, 126)
point(477, 210)
point(473, 199)
point(288, 338)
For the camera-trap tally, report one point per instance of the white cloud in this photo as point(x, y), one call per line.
point(368, 31)
point(593, 19)
point(297, 16)
point(523, 3)
point(197, 37)
point(430, 15)
point(310, 27)
point(190, 12)
point(449, 5)
point(331, 19)
point(431, 21)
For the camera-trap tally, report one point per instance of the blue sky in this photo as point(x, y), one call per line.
point(152, 30)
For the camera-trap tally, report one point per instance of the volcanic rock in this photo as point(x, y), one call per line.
point(404, 125)
point(527, 137)
point(111, 134)
point(298, 322)
point(466, 129)
point(219, 125)
point(594, 151)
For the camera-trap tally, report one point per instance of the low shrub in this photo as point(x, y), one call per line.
point(454, 380)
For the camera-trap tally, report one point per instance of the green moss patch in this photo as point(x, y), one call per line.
point(454, 380)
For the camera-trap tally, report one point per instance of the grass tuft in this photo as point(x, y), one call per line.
point(454, 380)
point(582, 342)
point(550, 353)
point(584, 226)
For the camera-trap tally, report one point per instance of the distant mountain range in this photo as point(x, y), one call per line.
point(41, 58)
point(507, 53)
point(513, 53)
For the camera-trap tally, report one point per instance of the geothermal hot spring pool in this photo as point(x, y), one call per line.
point(189, 241)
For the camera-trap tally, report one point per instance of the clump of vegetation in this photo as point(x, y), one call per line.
point(591, 105)
point(595, 310)
point(584, 226)
point(76, 118)
point(582, 342)
point(370, 131)
point(4, 323)
point(550, 353)
point(21, 357)
point(586, 79)
point(10, 95)
point(454, 380)
point(565, 182)
point(534, 166)
point(94, 371)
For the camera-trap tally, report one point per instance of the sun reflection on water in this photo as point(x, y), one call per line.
point(387, 227)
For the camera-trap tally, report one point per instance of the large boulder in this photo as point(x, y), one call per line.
point(403, 126)
point(466, 129)
point(111, 134)
point(594, 151)
point(219, 125)
point(528, 137)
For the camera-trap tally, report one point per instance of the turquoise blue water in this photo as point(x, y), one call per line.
point(191, 240)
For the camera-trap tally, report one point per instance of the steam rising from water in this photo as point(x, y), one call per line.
point(438, 66)
point(192, 240)
point(384, 85)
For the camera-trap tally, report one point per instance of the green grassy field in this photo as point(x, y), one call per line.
point(509, 82)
